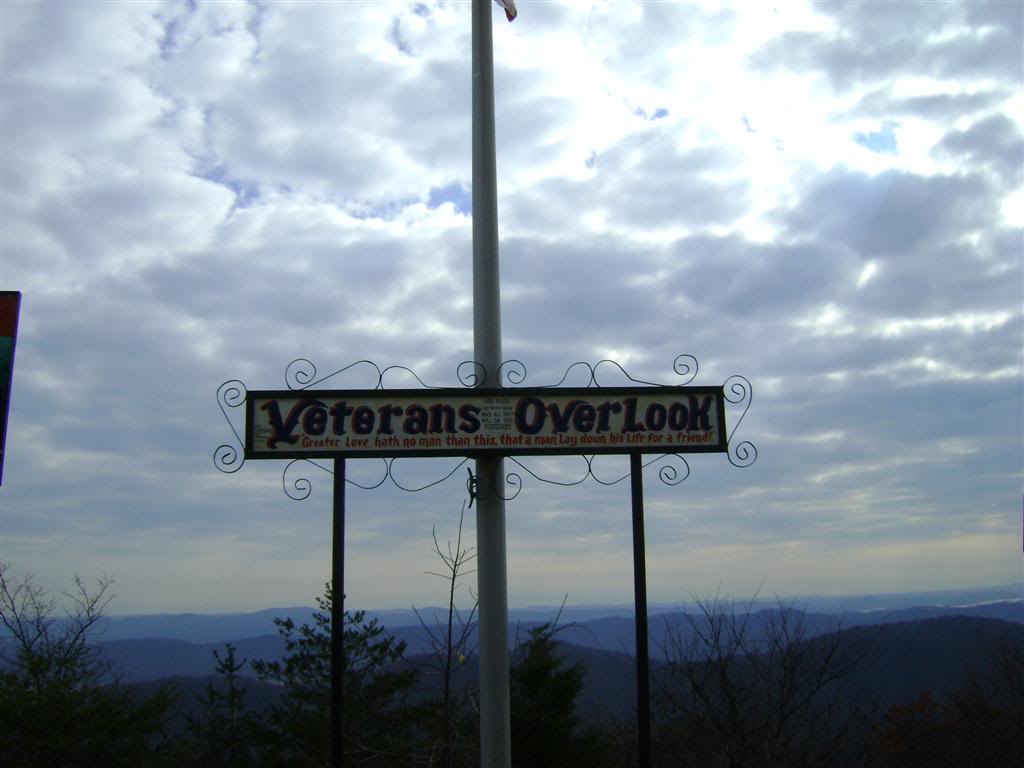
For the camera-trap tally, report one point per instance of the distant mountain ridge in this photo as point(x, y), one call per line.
point(198, 627)
point(221, 627)
point(151, 658)
point(908, 657)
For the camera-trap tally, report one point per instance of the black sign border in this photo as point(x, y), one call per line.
point(625, 448)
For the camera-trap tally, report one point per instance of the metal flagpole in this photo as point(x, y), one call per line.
point(643, 663)
point(492, 586)
point(338, 614)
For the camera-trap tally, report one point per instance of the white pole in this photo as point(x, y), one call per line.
point(492, 586)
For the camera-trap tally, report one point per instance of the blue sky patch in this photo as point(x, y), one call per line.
point(458, 194)
point(882, 141)
point(246, 193)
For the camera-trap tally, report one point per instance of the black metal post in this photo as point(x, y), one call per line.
point(643, 661)
point(338, 614)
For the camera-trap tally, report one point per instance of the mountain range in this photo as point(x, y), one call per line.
point(916, 645)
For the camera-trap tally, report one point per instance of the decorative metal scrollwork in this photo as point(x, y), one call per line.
point(569, 370)
point(300, 488)
point(229, 458)
point(481, 489)
point(403, 369)
point(620, 369)
point(513, 372)
point(686, 366)
point(471, 487)
point(471, 373)
point(740, 392)
point(667, 474)
point(301, 374)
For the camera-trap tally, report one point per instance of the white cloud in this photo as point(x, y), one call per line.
point(195, 193)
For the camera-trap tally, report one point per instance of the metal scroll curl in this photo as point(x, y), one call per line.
point(298, 486)
point(514, 372)
point(740, 392)
point(301, 487)
point(229, 458)
point(685, 366)
point(471, 374)
point(479, 490)
point(403, 485)
point(301, 373)
point(674, 470)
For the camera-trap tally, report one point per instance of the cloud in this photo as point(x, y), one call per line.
point(942, 41)
point(994, 142)
point(198, 192)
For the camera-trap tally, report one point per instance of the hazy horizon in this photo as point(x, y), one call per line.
point(1016, 590)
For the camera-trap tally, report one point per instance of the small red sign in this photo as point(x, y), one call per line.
point(10, 304)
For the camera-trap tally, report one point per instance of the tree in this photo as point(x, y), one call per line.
point(451, 653)
point(60, 703)
point(547, 731)
point(379, 725)
point(224, 733)
point(981, 724)
point(743, 691)
point(543, 691)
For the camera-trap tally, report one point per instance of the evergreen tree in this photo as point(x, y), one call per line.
point(223, 733)
point(543, 702)
point(380, 726)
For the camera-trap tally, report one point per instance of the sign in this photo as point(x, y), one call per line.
point(473, 422)
point(10, 303)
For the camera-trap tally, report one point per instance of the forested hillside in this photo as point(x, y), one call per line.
point(777, 687)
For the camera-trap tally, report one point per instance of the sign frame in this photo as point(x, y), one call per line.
point(481, 394)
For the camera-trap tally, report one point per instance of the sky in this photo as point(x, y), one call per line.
point(823, 198)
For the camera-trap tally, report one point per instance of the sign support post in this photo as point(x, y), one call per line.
point(492, 586)
point(643, 664)
point(338, 614)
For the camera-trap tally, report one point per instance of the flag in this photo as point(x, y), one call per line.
point(509, 6)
